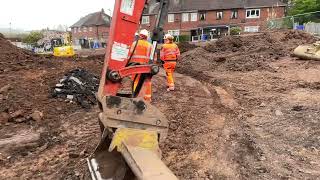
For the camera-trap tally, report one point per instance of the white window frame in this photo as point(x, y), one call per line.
point(79, 29)
point(194, 17)
point(85, 29)
point(90, 29)
point(255, 13)
point(74, 30)
point(251, 29)
point(185, 17)
point(204, 15)
point(174, 32)
point(145, 20)
point(170, 18)
point(234, 12)
point(219, 13)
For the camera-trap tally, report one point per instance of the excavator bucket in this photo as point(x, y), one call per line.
point(105, 165)
point(308, 52)
point(129, 149)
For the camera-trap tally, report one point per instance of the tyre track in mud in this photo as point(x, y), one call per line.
point(198, 117)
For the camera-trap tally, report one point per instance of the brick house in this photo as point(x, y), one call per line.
point(91, 30)
point(196, 18)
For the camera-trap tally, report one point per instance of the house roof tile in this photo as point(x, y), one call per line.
point(94, 19)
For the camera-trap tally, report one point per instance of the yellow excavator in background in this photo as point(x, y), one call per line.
point(62, 46)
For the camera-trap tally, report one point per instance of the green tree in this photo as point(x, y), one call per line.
point(33, 38)
point(304, 6)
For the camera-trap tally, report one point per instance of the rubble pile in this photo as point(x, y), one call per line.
point(78, 86)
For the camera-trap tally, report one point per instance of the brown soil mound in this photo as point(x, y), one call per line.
point(32, 76)
point(14, 58)
point(26, 81)
point(259, 119)
point(186, 46)
point(7, 50)
point(245, 53)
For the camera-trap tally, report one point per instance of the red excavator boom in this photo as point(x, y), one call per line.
point(131, 128)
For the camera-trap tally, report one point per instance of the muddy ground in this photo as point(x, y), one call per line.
point(243, 109)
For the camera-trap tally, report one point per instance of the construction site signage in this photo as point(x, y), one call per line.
point(127, 7)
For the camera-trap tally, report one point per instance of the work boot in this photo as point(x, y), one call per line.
point(148, 99)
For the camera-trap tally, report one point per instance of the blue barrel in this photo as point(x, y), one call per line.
point(300, 27)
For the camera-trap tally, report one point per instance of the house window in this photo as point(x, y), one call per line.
point(194, 16)
point(202, 16)
point(90, 29)
point(79, 29)
point(170, 17)
point(145, 20)
point(251, 29)
point(75, 30)
point(174, 32)
point(253, 13)
point(219, 15)
point(234, 14)
point(185, 17)
point(84, 29)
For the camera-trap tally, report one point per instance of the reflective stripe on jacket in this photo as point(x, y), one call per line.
point(169, 51)
point(141, 53)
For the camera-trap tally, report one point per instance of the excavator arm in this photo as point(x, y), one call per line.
point(131, 127)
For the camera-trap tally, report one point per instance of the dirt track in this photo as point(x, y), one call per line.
point(241, 111)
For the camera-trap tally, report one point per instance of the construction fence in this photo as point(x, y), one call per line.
point(309, 22)
point(313, 28)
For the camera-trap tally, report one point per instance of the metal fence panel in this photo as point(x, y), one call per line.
point(313, 28)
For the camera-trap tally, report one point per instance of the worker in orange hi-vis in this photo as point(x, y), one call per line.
point(169, 54)
point(140, 53)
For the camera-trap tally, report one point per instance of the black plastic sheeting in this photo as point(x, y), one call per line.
point(78, 86)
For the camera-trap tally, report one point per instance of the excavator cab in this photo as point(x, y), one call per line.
point(56, 42)
point(131, 127)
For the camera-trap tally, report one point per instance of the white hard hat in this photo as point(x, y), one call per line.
point(168, 36)
point(144, 32)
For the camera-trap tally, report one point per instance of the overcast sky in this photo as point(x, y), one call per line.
point(39, 14)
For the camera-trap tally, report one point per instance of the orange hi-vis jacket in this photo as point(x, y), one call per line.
point(169, 52)
point(142, 52)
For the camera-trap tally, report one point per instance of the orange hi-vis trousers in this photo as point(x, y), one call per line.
point(147, 87)
point(169, 67)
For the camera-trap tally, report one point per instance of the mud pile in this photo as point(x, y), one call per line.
point(245, 53)
point(26, 80)
point(26, 109)
point(14, 58)
point(186, 46)
point(7, 51)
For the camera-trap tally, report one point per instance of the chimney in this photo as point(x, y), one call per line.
point(102, 10)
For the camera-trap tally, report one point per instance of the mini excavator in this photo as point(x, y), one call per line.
point(131, 127)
